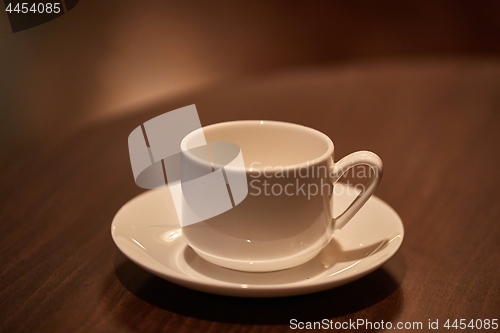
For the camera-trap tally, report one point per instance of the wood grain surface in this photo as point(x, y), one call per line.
point(435, 124)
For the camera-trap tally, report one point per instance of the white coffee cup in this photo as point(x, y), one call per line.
point(286, 219)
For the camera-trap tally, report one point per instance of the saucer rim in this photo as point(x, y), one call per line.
point(225, 288)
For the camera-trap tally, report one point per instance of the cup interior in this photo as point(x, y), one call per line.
point(269, 144)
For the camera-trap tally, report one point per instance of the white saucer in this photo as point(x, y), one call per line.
point(146, 230)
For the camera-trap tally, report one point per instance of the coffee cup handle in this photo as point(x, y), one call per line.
point(341, 167)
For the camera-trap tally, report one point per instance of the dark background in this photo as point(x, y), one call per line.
point(107, 58)
point(416, 82)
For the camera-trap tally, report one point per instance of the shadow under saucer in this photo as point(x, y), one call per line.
point(378, 293)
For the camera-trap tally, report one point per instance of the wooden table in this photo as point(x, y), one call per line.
point(435, 124)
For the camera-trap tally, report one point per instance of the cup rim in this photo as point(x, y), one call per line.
point(272, 169)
